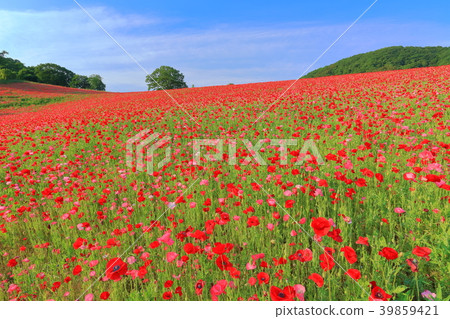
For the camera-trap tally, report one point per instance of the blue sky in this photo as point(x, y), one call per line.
point(212, 43)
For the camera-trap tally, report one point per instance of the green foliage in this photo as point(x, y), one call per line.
point(9, 63)
point(48, 73)
point(6, 74)
point(165, 77)
point(80, 82)
point(51, 73)
point(27, 74)
point(391, 58)
point(23, 101)
point(96, 83)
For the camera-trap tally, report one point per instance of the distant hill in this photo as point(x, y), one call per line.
point(390, 58)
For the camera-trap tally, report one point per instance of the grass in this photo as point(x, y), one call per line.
point(16, 101)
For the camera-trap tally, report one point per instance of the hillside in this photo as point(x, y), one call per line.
point(32, 88)
point(390, 58)
point(18, 94)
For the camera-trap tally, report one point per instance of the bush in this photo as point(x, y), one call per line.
point(27, 74)
point(6, 74)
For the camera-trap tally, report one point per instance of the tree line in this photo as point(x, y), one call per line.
point(390, 58)
point(48, 73)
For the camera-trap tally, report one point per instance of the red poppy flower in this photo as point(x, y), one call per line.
point(223, 263)
point(289, 203)
point(363, 241)
point(263, 278)
point(179, 291)
point(115, 268)
point(327, 262)
point(317, 279)
point(413, 264)
point(104, 295)
point(377, 293)
point(303, 255)
point(79, 242)
point(77, 270)
point(388, 253)
point(409, 176)
point(285, 294)
point(279, 261)
point(360, 182)
point(335, 235)
point(321, 226)
point(423, 252)
point(354, 273)
point(199, 287)
point(154, 244)
point(11, 263)
point(349, 254)
point(167, 295)
point(252, 221)
point(190, 248)
point(234, 273)
point(56, 285)
point(379, 177)
point(271, 168)
point(220, 248)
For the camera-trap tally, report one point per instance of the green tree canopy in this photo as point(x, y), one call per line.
point(80, 82)
point(48, 73)
point(7, 74)
point(9, 63)
point(165, 77)
point(51, 73)
point(390, 58)
point(27, 74)
point(96, 83)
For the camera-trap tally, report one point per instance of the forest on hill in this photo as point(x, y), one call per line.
point(390, 58)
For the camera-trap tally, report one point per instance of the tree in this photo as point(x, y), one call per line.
point(7, 74)
point(96, 83)
point(9, 63)
point(51, 73)
point(80, 82)
point(165, 78)
point(27, 74)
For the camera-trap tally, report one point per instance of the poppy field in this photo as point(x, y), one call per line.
point(367, 222)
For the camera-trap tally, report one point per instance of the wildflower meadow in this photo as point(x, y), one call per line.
point(338, 190)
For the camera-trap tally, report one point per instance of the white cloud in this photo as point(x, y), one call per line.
point(214, 56)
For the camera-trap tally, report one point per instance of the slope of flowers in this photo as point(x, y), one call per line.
point(370, 224)
point(39, 89)
point(19, 97)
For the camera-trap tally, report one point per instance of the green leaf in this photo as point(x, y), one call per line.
point(399, 289)
point(439, 292)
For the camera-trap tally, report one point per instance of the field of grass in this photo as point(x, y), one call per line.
point(369, 223)
point(14, 101)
